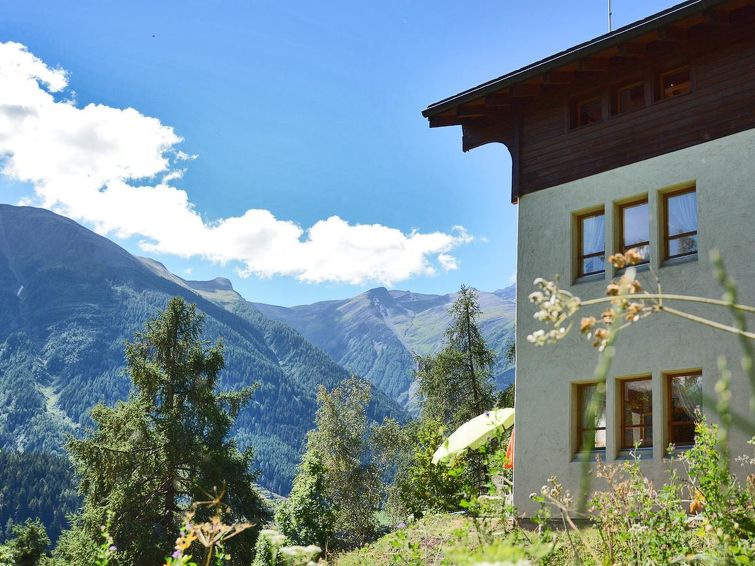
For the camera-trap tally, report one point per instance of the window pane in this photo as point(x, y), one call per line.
point(675, 83)
point(682, 246)
point(636, 225)
point(589, 111)
point(598, 424)
point(686, 401)
point(593, 234)
point(682, 213)
point(595, 264)
point(631, 98)
point(586, 395)
point(638, 413)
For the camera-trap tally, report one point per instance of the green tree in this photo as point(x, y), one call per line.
point(350, 479)
point(28, 545)
point(307, 516)
point(456, 384)
point(149, 457)
point(419, 486)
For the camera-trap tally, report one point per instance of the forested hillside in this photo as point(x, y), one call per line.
point(36, 485)
point(68, 301)
point(375, 333)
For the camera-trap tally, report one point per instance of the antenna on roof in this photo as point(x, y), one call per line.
point(609, 16)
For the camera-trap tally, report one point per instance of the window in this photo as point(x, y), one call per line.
point(630, 97)
point(634, 228)
point(586, 393)
point(589, 111)
point(676, 82)
point(591, 241)
point(680, 223)
point(685, 400)
point(637, 412)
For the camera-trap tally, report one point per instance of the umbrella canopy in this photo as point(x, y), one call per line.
point(474, 433)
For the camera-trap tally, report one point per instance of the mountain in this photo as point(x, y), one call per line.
point(69, 298)
point(375, 333)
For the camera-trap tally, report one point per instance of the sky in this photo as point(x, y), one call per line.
point(278, 144)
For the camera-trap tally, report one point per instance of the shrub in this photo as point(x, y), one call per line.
point(307, 517)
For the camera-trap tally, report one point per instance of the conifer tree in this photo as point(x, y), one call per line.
point(28, 545)
point(456, 384)
point(149, 457)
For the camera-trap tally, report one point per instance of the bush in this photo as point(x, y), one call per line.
point(307, 517)
point(421, 487)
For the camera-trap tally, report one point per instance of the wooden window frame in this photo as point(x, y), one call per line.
point(668, 378)
point(580, 409)
point(624, 426)
point(663, 74)
point(580, 249)
point(620, 89)
point(581, 101)
point(623, 247)
point(666, 237)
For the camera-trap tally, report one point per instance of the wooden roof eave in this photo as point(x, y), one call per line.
point(583, 52)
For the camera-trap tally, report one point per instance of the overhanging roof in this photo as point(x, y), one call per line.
point(621, 35)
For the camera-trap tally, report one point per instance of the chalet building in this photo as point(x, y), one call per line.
point(641, 138)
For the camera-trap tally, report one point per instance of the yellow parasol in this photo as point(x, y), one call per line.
point(474, 433)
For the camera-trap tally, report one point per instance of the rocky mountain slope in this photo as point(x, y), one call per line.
point(375, 333)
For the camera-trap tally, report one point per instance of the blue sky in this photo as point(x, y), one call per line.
point(309, 110)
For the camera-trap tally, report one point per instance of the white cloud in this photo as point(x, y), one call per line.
point(112, 168)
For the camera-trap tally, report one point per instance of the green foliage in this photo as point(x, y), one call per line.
point(307, 516)
point(727, 509)
point(638, 523)
point(266, 550)
point(341, 442)
point(36, 485)
point(75, 546)
point(28, 544)
point(419, 486)
point(337, 475)
point(456, 384)
point(272, 550)
point(150, 455)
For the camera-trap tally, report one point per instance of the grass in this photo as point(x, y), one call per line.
point(453, 539)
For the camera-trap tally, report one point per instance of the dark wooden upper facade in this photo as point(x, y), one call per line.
point(535, 111)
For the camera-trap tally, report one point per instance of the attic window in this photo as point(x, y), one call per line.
point(630, 97)
point(588, 111)
point(676, 82)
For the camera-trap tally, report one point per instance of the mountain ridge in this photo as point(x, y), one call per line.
point(376, 333)
point(69, 298)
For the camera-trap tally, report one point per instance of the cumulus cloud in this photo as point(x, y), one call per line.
point(115, 169)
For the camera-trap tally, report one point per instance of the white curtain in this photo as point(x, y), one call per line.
point(682, 213)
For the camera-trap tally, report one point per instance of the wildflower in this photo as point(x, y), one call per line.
point(587, 323)
point(633, 312)
point(607, 316)
point(612, 289)
point(697, 503)
point(633, 256)
point(617, 260)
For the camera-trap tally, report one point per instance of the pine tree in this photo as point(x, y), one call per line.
point(149, 457)
point(456, 384)
point(29, 543)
